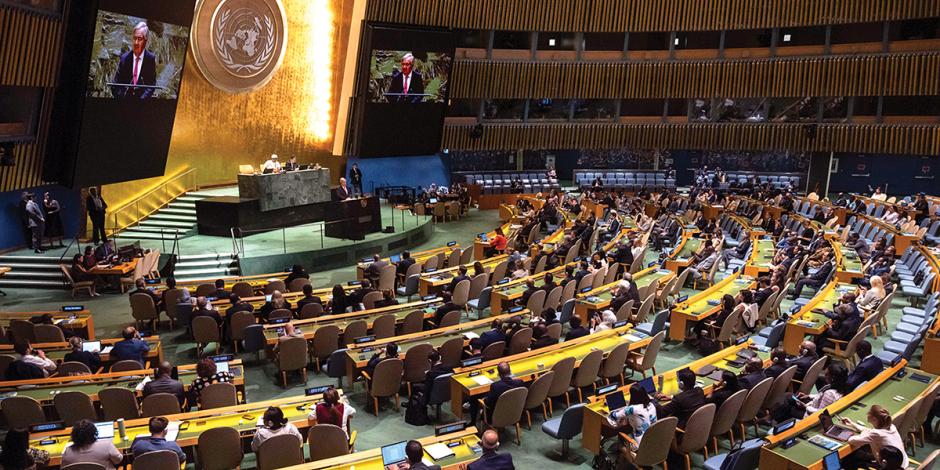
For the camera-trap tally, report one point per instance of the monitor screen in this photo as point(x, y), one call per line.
point(432, 201)
point(395, 259)
point(832, 462)
point(471, 362)
point(615, 401)
point(648, 385)
point(784, 426)
point(91, 346)
point(105, 430)
point(394, 453)
point(221, 366)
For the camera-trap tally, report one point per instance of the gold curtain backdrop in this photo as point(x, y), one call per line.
point(294, 114)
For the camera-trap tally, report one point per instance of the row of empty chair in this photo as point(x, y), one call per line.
point(625, 179)
point(501, 182)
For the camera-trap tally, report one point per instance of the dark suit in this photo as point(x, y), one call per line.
point(147, 75)
point(341, 193)
point(750, 380)
point(685, 403)
point(866, 370)
point(455, 280)
point(490, 460)
point(403, 266)
point(355, 177)
point(97, 218)
point(528, 293)
point(444, 310)
point(375, 269)
point(422, 466)
point(208, 313)
point(90, 359)
point(815, 280)
point(802, 363)
point(577, 333)
point(490, 337)
point(497, 389)
point(415, 87)
point(165, 384)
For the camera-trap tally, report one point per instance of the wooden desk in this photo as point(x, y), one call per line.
point(44, 390)
point(466, 451)
point(435, 281)
point(711, 211)
point(504, 296)
point(242, 418)
point(596, 412)
point(762, 257)
point(812, 319)
point(881, 390)
point(681, 256)
point(509, 229)
point(324, 293)
point(527, 366)
point(57, 351)
point(83, 323)
point(705, 304)
point(599, 299)
point(358, 355)
point(419, 257)
point(310, 326)
point(116, 269)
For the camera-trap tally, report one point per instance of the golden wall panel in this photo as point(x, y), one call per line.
point(294, 114)
point(30, 51)
point(643, 15)
point(896, 74)
point(875, 138)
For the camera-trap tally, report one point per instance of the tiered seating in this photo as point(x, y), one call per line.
point(500, 182)
point(624, 179)
point(777, 180)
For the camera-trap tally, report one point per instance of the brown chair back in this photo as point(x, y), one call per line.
point(614, 362)
point(755, 398)
point(218, 395)
point(160, 404)
point(493, 351)
point(416, 362)
point(126, 365)
point(588, 369)
point(450, 318)
point(311, 310)
point(205, 330)
point(22, 412)
point(521, 341)
point(509, 408)
point(237, 324)
point(553, 330)
point(538, 390)
point(564, 370)
point(22, 330)
point(73, 406)
point(243, 289)
point(118, 402)
point(354, 329)
point(779, 388)
point(84, 466)
point(387, 378)
point(728, 413)
point(48, 334)
point(157, 460)
point(654, 448)
point(413, 322)
point(384, 326)
point(298, 284)
point(69, 368)
point(325, 341)
point(292, 353)
point(461, 293)
point(143, 308)
point(204, 289)
point(696, 429)
point(276, 285)
point(451, 352)
point(219, 449)
point(369, 300)
point(327, 441)
point(279, 313)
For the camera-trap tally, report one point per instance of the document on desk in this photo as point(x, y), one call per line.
point(439, 451)
point(107, 350)
point(470, 335)
point(173, 430)
point(482, 380)
point(140, 386)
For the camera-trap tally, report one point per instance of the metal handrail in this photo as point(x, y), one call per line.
point(167, 198)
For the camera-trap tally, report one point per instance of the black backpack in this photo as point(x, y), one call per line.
point(416, 413)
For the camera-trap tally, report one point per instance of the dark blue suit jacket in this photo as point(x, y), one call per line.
point(130, 349)
point(147, 75)
point(866, 370)
point(490, 337)
point(492, 461)
point(500, 387)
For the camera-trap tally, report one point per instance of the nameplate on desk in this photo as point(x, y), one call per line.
point(73, 308)
point(428, 297)
point(620, 323)
point(278, 321)
point(503, 281)
point(223, 358)
point(471, 362)
point(451, 243)
point(364, 339)
point(450, 428)
point(316, 390)
point(517, 309)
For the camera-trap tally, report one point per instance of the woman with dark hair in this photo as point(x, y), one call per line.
point(86, 447)
point(207, 375)
point(478, 268)
point(89, 261)
point(334, 410)
point(726, 387)
point(80, 274)
point(727, 308)
point(18, 455)
point(275, 424)
point(803, 405)
point(339, 303)
point(639, 415)
point(54, 229)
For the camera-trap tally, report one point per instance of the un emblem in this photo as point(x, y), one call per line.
point(239, 44)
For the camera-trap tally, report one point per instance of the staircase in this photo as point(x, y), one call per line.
point(207, 266)
point(33, 272)
point(162, 225)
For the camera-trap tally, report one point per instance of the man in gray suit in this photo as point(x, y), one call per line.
point(37, 222)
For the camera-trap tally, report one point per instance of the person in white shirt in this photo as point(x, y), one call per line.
point(891, 216)
point(868, 443)
point(870, 298)
point(35, 357)
point(748, 307)
point(605, 322)
point(272, 165)
point(878, 195)
point(637, 247)
point(275, 424)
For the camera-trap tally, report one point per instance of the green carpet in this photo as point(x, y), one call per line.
point(112, 312)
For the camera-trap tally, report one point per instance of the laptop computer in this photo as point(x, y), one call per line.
point(393, 454)
point(615, 400)
point(91, 346)
point(648, 385)
point(830, 429)
point(395, 259)
point(105, 430)
point(832, 462)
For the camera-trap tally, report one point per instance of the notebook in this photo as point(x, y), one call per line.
point(439, 451)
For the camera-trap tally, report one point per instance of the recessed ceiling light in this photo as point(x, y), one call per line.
point(551, 42)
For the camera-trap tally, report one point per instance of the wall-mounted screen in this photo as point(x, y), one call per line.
point(404, 81)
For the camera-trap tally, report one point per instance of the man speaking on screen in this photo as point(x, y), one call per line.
point(137, 67)
point(406, 83)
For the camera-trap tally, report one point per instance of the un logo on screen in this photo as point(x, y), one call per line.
point(239, 44)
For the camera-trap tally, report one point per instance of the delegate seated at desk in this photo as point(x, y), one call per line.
point(272, 165)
